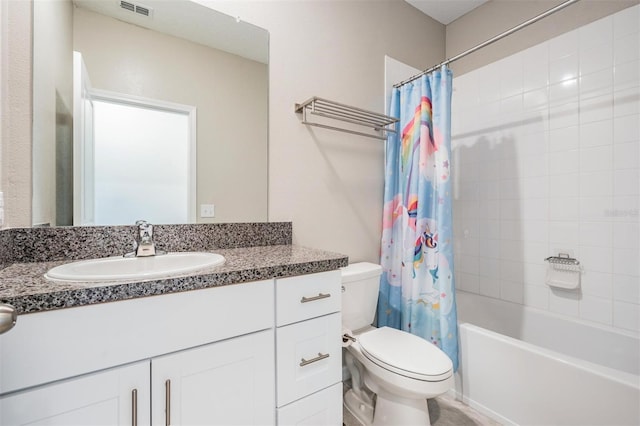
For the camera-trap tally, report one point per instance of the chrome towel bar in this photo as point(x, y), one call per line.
point(336, 111)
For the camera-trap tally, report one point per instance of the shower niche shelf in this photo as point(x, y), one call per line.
point(380, 124)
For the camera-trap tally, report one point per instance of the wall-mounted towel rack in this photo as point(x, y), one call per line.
point(337, 111)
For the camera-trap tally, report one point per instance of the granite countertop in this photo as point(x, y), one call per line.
point(24, 286)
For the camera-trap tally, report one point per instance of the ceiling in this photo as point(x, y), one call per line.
point(191, 21)
point(445, 11)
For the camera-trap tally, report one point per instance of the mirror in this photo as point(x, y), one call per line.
point(174, 56)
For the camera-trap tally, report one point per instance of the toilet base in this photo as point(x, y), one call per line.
point(359, 408)
point(392, 410)
point(389, 410)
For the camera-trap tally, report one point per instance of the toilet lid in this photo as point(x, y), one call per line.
point(406, 354)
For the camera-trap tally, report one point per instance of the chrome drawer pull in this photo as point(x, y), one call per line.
point(318, 297)
point(320, 356)
point(167, 403)
point(134, 407)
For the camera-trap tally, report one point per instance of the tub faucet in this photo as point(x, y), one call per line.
point(144, 245)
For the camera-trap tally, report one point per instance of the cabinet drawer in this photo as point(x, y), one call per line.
point(321, 409)
point(307, 296)
point(308, 357)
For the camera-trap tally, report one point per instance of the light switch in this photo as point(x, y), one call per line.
point(207, 210)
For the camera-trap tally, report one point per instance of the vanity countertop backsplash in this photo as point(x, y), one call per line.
point(253, 251)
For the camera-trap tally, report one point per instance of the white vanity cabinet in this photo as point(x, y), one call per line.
point(118, 396)
point(222, 383)
point(308, 349)
point(225, 383)
point(212, 349)
point(256, 353)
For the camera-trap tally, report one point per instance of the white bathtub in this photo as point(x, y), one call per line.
point(525, 366)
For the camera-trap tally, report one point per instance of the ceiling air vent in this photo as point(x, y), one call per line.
point(143, 10)
point(128, 6)
point(136, 8)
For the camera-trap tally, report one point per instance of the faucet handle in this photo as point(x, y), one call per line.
point(145, 230)
point(144, 242)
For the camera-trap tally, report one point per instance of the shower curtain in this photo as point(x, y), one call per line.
point(417, 292)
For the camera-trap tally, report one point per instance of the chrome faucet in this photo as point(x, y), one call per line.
point(144, 242)
point(143, 245)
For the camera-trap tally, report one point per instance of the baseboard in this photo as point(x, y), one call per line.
point(482, 409)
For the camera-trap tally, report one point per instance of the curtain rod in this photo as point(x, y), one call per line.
point(490, 41)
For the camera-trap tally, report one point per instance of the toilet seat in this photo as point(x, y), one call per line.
point(405, 354)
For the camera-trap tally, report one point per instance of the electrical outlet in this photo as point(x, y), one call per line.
point(207, 210)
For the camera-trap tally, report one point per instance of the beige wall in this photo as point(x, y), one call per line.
point(15, 56)
point(229, 92)
point(496, 16)
point(330, 184)
point(52, 84)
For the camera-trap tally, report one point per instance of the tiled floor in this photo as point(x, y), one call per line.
point(444, 411)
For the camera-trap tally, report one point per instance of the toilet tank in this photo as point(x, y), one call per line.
point(360, 282)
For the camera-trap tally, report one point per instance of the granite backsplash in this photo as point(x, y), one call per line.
point(23, 245)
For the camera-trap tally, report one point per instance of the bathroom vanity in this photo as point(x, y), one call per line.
point(254, 341)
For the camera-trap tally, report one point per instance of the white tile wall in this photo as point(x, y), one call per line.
point(546, 146)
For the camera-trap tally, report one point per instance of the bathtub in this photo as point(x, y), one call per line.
point(525, 366)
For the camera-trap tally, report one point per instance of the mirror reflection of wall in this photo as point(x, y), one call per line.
point(228, 91)
point(52, 111)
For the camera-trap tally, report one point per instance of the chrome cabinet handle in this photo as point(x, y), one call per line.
point(134, 407)
point(167, 402)
point(320, 356)
point(8, 317)
point(318, 297)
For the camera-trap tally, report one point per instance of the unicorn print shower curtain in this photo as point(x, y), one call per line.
point(417, 292)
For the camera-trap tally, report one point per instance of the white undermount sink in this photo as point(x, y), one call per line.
point(120, 268)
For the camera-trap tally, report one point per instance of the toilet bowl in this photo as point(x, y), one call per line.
point(402, 370)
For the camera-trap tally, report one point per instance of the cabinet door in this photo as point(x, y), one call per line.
point(111, 397)
point(225, 383)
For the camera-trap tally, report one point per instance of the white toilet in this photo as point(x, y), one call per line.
point(401, 369)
